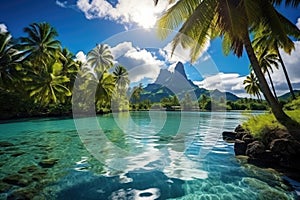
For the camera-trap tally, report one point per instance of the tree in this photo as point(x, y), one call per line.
point(136, 94)
point(263, 39)
point(252, 85)
point(100, 59)
point(40, 45)
point(48, 86)
point(121, 77)
point(268, 59)
point(201, 21)
point(9, 57)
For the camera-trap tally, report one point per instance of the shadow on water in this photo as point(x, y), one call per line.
point(139, 185)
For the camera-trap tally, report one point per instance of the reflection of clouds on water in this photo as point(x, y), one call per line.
point(144, 185)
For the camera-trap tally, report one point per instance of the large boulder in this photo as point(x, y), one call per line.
point(240, 147)
point(270, 135)
point(229, 136)
point(285, 147)
point(255, 149)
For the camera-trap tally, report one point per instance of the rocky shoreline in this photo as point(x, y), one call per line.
point(277, 149)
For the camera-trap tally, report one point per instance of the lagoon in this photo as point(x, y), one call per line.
point(131, 155)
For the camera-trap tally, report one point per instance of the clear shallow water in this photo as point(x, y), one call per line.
point(137, 155)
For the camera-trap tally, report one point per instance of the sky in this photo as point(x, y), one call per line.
point(128, 27)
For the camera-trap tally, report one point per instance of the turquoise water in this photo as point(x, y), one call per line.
point(137, 155)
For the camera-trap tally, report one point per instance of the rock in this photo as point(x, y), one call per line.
point(39, 175)
point(255, 149)
point(240, 147)
point(285, 147)
point(47, 163)
point(17, 179)
point(6, 144)
point(270, 135)
point(4, 187)
point(228, 136)
point(27, 169)
point(248, 138)
point(22, 194)
point(239, 129)
point(16, 154)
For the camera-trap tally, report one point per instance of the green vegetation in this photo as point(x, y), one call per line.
point(260, 124)
point(234, 22)
point(37, 76)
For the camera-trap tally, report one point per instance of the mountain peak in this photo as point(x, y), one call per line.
point(180, 69)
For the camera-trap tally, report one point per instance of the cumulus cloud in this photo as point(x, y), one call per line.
point(62, 4)
point(179, 54)
point(142, 13)
point(229, 82)
point(140, 63)
point(3, 28)
point(292, 63)
point(80, 56)
point(298, 23)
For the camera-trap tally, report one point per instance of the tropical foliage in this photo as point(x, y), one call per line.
point(234, 21)
point(38, 75)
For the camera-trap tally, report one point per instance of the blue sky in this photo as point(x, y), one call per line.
point(82, 24)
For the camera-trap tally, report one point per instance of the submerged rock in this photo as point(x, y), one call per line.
point(6, 144)
point(4, 187)
point(47, 163)
point(28, 169)
point(18, 153)
point(17, 179)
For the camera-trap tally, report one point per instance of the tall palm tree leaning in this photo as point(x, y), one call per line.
point(262, 39)
point(233, 20)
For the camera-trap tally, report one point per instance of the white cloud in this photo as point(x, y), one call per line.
point(298, 23)
point(80, 56)
point(229, 82)
point(180, 54)
point(142, 13)
point(61, 4)
point(292, 63)
point(140, 63)
point(3, 28)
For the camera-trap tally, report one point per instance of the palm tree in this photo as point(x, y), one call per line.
point(203, 20)
point(121, 77)
point(100, 59)
point(9, 60)
point(136, 94)
point(252, 85)
point(40, 45)
point(262, 39)
point(105, 89)
point(48, 86)
point(267, 59)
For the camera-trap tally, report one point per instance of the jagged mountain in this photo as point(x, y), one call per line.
point(176, 83)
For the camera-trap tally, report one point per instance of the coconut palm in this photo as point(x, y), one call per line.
point(267, 60)
point(40, 45)
point(252, 85)
point(100, 59)
point(9, 57)
point(121, 77)
point(201, 21)
point(105, 88)
point(48, 86)
point(263, 39)
point(136, 94)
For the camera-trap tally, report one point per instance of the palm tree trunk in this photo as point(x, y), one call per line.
point(277, 110)
point(285, 73)
point(273, 88)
